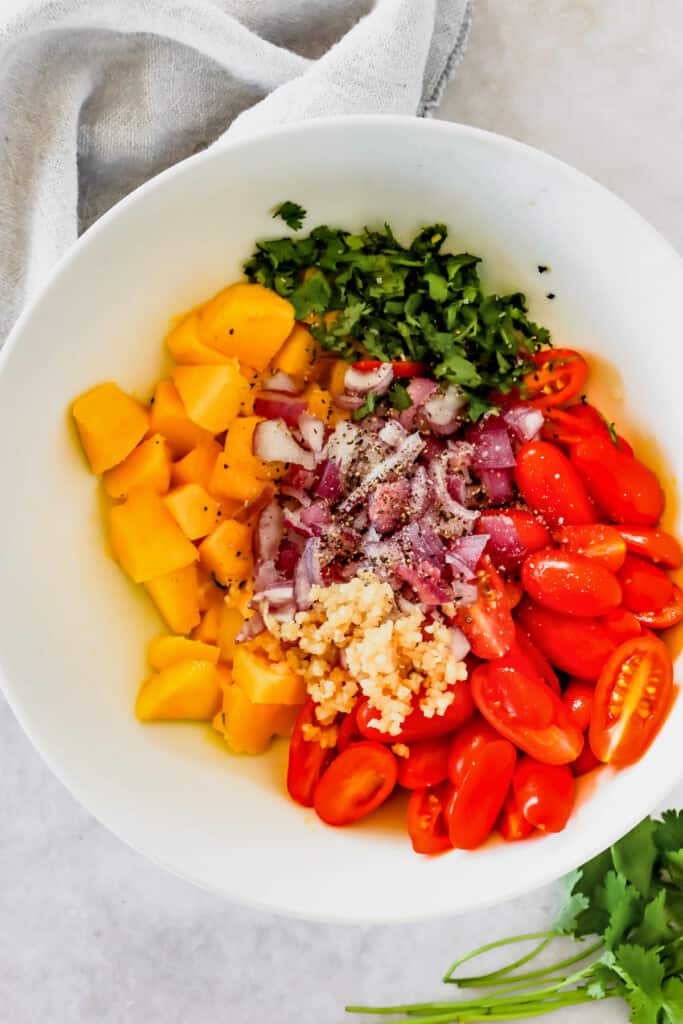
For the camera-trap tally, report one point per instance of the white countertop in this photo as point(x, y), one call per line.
point(92, 933)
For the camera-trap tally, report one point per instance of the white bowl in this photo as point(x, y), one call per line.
point(73, 630)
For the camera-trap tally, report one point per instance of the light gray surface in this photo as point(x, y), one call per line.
point(92, 933)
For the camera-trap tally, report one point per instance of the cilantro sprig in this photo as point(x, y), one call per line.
point(291, 213)
point(369, 295)
point(631, 898)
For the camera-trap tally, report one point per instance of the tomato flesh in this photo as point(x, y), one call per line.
point(550, 485)
point(544, 793)
point(570, 583)
point(488, 623)
point(646, 587)
point(360, 779)
point(585, 762)
point(670, 615)
point(597, 541)
point(426, 820)
point(657, 545)
point(575, 645)
point(426, 763)
point(465, 747)
point(307, 759)
point(475, 804)
point(578, 700)
point(559, 375)
point(632, 698)
point(506, 698)
point(626, 489)
point(417, 726)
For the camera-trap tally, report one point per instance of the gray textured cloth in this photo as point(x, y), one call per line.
point(96, 96)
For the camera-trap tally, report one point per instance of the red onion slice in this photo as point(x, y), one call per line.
point(312, 430)
point(437, 474)
point(297, 493)
point(491, 442)
point(342, 445)
point(419, 389)
point(377, 382)
point(443, 411)
point(266, 576)
point(278, 405)
point(251, 628)
point(469, 550)
point(504, 541)
point(316, 517)
point(349, 402)
point(307, 574)
point(273, 442)
point(282, 382)
point(289, 555)
point(387, 505)
point(421, 493)
point(524, 420)
point(392, 433)
point(498, 484)
point(269, 531)
point(425, 579)
point(464, 593)
point(276, 596)
point(403, 457)
point(329, 483)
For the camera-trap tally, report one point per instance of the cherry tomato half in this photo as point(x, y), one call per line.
point(401, 369)
point(544, 793)
point(602, 543)
point(626, 489)
point(348, 730)
point(475, 804)
point(513, 534)
point(632, 699)
point(551, 486)
point(578, 422)
point(307, 759)
point(512, 824)
point(465, 746)
point(417, 725)
point(585, 762)
point(427, 826)
point(488, 623)
point(577, 646)
point(657, 545)
point(646, 587)
point(426, 763)
point(529, 660)
point(356, 783)
point(578, 700)
point(570, 583)
point(670, 615)
point(559, 375)
point(622, 624)
point(527, 713)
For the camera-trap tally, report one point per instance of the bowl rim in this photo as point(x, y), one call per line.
point(513, 887)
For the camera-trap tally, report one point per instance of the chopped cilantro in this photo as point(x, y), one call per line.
point(371, 296)
point(399, 397)
point(366, 408)
point(291, 213)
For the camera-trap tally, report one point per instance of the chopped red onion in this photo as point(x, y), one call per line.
point(349, 402)
point(437, 474)
point(289, 555)
point(491, 442)
point(342, 445)
point(251, 628)
point(443, 411)
point(285, 613)
point(407, 417)
point(467, 550)
point(273, 442)
point(269, 531)
point(282, 382)
point(377, 382)
point(278, 405)
point(404, 456)
point(460, 645)
point(425, 579)
point(392, 433)
point(266, 576)
point(300, 478)
point(329, 482)
point(297, 493)
point(316, 517)
point(387, 503)
point(524, 420)
point(307, 574)
point(504, 540)
point(312, 430)
point(421, 493)
point(464, 593)
point(419, 389)
point(312, 560)
point(498, 484)
point(276, 596)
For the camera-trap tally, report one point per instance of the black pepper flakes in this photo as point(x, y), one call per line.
point(542, 268)
point(550, 295)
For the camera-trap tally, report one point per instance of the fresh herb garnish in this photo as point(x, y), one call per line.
point(399, 397)
point(366, 408)
point(631, 897)
point(370, 296)
point(291, 213)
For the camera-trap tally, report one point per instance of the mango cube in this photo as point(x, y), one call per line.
point(176, 597)
point(298, 355)
point(148, 465)
point(197, 466)
point(227, 552)
point(186, 690)
point(247, 321)
point(212, 395)
point(249, 728)
point(146, 539)
point(168, 417)
point(264, 681)
point(186, 347)
point(230, 623)
point(195, 511)
point(110, 423)
point(169, 650)
point(209, 626)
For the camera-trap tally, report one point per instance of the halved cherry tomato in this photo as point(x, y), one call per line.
point(602, 543)
point(400, 368)
point(475, 804)
point(570, 583)
point(622, 624)
point(578, 422)
point(577, 646)
point(514, 534)
point(527, 713)
point(488, 624)
point(586, 761)
point(513, 593)
point(646, 588)
point(632, 699)
point(529, 660)
point(417, 726)
point(426, 763)
point(559, 375)
point(356, 783)
point(348, 730)
point(670, 615)
point(578, 700)
point(512, 824)
point(626, 489)
point(427, 826)
point(307, 759)
point(657, 545)
point(550, 485)
point(544, 793)
point(465, 746)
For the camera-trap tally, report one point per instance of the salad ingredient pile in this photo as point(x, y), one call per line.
point(377, 512)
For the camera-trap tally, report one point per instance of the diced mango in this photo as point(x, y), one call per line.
point(197, 466)
point(239, 450)
point(168, 650)
point(209, 593)
point(231, 622)
point(238, 595)
point(211, 395)
point(195, 511)
point(249, 728)
point(264, 681)
point(148, 465)
point(175, 595)
point(232, 482)
point(168, 417)
point(247, 321)
point(337, 376)
point(110, 423)
point(227, 552)
point(298, 355)
point(207, 630)
point(184, 344)
point(253, 379)
point(146, 539)
point(187, 689)
point(319, 402)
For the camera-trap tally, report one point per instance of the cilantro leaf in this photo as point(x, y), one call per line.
point(654, 928)
point(634, 855)
point(672, 1003)
point(669, 831)
point(399, 397)
point(291, 213)
point(573, 905)
point(366, 408)
point(643, 974)
point(622, 904)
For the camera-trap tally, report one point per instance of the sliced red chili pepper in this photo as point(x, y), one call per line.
point(559, 375)
point(401, 368)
